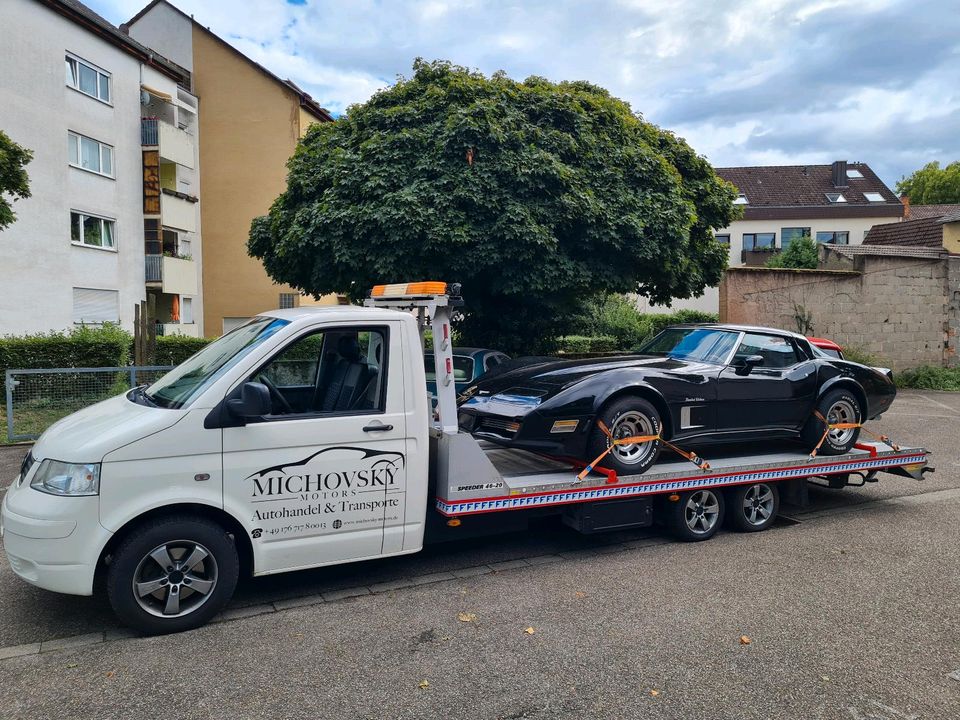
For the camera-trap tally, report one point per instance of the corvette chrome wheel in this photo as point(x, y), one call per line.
point(630, 424)
point(842, 411)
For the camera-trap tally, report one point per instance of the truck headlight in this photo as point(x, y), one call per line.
point(60, 478)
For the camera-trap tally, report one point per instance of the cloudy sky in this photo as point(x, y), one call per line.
point(746, 82)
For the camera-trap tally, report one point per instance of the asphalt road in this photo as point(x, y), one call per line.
point(851, 613)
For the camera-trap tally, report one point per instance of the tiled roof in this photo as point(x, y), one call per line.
point(924, 233)
point(82, 15)
point(951, 217)
point(804, 185)
point(918, 212)
point(886, 250)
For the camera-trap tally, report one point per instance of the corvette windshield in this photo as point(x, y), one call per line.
point(699, 344)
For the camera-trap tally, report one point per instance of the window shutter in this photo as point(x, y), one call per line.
point(95, 306)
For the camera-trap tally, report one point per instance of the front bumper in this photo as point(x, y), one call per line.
point(52, 542)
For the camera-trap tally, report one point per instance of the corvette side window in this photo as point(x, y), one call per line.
point(777, 352)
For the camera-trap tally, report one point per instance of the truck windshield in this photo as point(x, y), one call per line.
point(699, 344)
point(182, 384)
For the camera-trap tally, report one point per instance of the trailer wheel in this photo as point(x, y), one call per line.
point(753, 507)
point(627, 417)
point(696, 516)
point(172, 574)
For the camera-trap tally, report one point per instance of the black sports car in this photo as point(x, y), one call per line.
point(691, 384)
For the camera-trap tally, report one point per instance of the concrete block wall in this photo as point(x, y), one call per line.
point(904, 310)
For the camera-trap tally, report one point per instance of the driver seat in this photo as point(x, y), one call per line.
point(349, 379)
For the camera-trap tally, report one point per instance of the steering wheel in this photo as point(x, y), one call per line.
point(275, 394)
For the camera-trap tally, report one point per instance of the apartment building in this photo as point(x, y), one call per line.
point(834, 204)
point(75, 90)
point(250, 123)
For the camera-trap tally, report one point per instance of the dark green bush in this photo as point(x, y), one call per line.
point(578, 344)
point(617, 316)
point(174, 349)
point(929, 377)
point(106, 346)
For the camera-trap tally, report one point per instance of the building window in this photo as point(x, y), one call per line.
point(186, 311)
point(835, 198)
point(787, 235)
point(759, 241)
point(89, 154)
point(725, 239)
point(92, 231)
point(874, 197)
point(88, 79)
point(151, 237)
point(833, 238)
point(854, 174)
point(95, 306)
point(741, 199)
point(287, 300)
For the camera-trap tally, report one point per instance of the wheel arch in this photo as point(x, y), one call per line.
point(208, 512)
point(845, 383)
point(648, 393)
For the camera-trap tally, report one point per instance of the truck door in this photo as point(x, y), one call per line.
point(319, 477)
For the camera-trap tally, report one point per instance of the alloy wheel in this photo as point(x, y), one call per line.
point(702, 512)
point(175, 579)
point(758, 504)
point(631, 424)
point(842, 411)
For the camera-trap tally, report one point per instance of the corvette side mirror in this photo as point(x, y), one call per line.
point(747, 364)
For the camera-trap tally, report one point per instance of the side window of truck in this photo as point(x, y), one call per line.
point(332, 372)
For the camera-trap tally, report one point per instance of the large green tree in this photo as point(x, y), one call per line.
point(931, 184)
point(535, 195)
point(13, 177)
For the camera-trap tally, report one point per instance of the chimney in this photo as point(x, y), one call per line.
point(905, 199)
point(840, 173)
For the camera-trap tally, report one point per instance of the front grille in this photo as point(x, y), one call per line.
point(499, 426)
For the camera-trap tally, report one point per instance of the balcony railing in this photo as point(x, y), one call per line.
point(153, 268)
point(149, 131)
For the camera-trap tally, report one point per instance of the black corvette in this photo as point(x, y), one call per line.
point(691, 384)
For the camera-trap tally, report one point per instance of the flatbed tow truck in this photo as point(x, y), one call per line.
point(306, 438)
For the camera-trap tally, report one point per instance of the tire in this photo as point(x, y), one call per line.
point(627, 417)
point(839, 405)
point(696, 516)
point(753, 508)
point(183, 596)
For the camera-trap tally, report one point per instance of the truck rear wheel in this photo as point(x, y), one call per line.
point(172, 574)
point(753, 507)
point(696, 516)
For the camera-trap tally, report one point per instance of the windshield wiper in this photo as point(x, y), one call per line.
point(139, 395)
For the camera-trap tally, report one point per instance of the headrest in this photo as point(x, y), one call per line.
point(349, 348)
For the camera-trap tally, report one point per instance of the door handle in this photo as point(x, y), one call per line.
point(377, 427)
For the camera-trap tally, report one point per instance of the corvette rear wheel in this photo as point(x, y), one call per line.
point(627, 417)
point(837, 406)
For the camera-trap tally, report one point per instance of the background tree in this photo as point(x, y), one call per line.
point(535, 195)
point(13, 177)
point(932, 185)
point(802, 252)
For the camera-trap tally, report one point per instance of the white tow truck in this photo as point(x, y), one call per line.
point(305, 438)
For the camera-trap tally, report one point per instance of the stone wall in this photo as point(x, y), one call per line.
point(906, 310)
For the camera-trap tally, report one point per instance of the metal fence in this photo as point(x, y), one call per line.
point(38, 398)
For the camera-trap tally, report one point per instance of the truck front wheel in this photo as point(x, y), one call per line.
point(172, 574)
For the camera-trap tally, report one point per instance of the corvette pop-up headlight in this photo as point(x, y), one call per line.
point(521, 396)
point(60, 478)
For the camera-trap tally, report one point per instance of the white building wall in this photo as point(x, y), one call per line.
point(38, 265)
point(710, 300)
point(168, 32)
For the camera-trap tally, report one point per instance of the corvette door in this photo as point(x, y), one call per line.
point(777, 393)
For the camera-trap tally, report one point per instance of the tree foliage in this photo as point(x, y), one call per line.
point(802, 253)
point(932, 185)
point(13, 177)
point(535, 195)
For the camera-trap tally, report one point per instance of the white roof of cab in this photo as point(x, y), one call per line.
point(334, 313)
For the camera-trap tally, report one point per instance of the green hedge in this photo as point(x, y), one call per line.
point(929, 377)
point(106, 346)
point(586, 344)
point(174, 349)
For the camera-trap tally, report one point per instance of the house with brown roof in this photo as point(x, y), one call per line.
point(835, 204)
point(937, 233)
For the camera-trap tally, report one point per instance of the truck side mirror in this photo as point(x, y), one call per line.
point(254, 401)
point(747, 364)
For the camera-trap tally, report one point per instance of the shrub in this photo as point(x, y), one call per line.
point(106, 346)
point(580, 344)
point(618, 317)
point(174, 349)
point(929, 377)
point(801, 253)
point(862, 356)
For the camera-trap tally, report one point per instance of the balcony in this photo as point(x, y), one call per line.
point(174, 275)
point(757, 258)
point(171, 328)
point(178, 210)
point(174, 144)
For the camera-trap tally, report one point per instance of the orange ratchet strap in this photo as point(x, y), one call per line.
point(847, 426)
point(692, 457)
